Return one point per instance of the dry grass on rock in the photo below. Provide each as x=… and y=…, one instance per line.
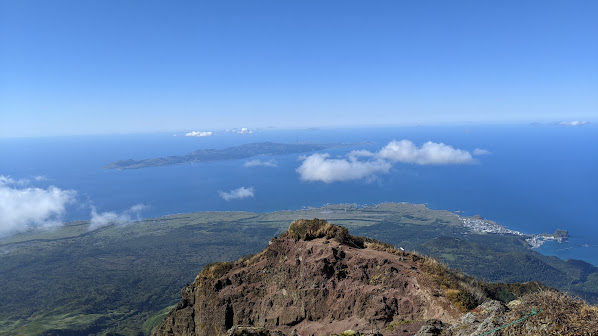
x=561, y=315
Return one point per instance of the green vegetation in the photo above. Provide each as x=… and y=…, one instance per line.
x=393, y=325
x=121, y=279
x=115, y=278
x=231, y=153
x=155, y=320
x=317, y=228
x=349, y=333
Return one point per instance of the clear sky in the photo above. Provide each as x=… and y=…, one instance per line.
x=114, y=66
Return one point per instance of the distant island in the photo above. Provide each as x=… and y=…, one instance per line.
x=230, y=153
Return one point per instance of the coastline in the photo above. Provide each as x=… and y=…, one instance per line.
x=480, y=225
x=559, y=244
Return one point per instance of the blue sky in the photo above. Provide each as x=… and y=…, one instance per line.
x=113, y=66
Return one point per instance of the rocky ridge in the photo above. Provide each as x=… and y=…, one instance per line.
x=317, y=279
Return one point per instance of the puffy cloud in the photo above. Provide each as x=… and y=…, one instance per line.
x=479, y=151
x=430, y=153
x=260, y=163
x=199, y=134
x=573, y=123
x=23, y=208
x=360, y=164
x=107, y=218
x=319, y=167
x=237, y=193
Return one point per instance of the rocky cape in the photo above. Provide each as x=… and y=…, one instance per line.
x=317, y=279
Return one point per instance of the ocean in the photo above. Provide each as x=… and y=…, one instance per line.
x=536, y=179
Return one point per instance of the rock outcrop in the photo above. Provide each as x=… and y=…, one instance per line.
x=317, y=279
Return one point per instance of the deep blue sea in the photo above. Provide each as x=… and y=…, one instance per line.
x=536, y=179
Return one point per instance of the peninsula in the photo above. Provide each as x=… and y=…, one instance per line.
x=480, y=225
x=230, y=153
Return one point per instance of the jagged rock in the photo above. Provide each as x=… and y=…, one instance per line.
x=431, y=328
x=484, y=318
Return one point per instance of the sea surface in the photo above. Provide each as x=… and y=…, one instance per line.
x=536, y=179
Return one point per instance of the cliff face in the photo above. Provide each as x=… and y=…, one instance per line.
x=316, y=279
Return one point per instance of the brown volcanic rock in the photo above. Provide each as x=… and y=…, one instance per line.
x=314, y=279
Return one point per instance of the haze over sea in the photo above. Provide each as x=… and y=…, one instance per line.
x=536, y=179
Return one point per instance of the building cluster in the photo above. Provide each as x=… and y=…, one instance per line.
x=480, y=225
x=483, y=226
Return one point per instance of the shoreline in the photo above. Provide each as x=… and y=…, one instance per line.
x=481, y=225
x=476, y=224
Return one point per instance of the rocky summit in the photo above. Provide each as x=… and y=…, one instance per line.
x=317, y=279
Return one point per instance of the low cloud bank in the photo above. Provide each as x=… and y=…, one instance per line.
x=260, y=163
x=199, y=134
x=573, y=123
x=239, y=193
x=363, y=164
x=100, y=219
x=23, y=207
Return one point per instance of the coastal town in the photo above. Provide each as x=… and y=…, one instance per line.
x=480, y=225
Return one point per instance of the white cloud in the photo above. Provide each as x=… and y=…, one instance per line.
x=237, y=193
x=480, y=151
x=199, y=134
x=260, y=163
x=319, y=167
x=430, y=153
x=243, y=130
x=107, y=218
x=5, y=180
x=573, y=123
x=23, y=208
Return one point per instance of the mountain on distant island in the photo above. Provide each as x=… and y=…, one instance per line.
x=230, y=153
x=317, y=279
